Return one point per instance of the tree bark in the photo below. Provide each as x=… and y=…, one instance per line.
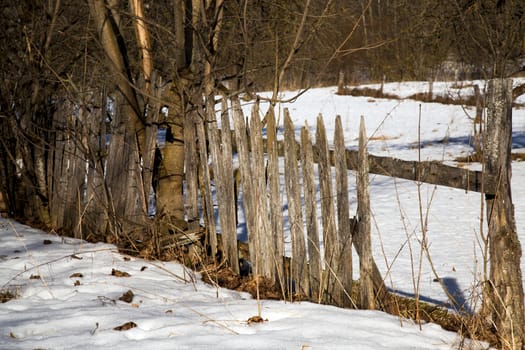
x=123, y=177
x=505, y=287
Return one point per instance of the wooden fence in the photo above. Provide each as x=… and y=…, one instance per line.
x=319, y=272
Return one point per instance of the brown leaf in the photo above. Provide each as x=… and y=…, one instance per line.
x=256, y=319
x=76, y=275
x=126, y=326
x=34, y=277
x=127, y=297
x=118, y=273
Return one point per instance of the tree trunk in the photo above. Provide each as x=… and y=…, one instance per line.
x=505, y=288
x=124, y=176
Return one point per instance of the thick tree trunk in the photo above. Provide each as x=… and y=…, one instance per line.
x=124, y=176
x=170, y=199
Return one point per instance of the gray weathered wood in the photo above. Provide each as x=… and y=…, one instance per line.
x=150, y=139
x=209, y=210
x=332, y=288
x=226, y=198
x=223, y=176
x=264, y=240
x=191, y=173
x=276, y=202
x=504, y=302
x=310, y=207
x=432, y=172
x=343, y=213
x=241, y=138
x=363, y=216
x=298, y=280
x=95, y=218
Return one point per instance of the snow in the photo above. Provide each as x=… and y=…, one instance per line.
x=171, y=307
x=68, y=298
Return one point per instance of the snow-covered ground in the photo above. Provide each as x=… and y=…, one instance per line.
x=171, y=308
x=68, y=298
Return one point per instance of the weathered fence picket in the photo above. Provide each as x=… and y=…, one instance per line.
x=363, y=217
x=332, y=287
x=224, y=182
x=209, y=214
x=343, y=210
x=249, y=201
x=263, y=238
x=310, y=204
x=298, y=276
x=191, y=172
x=276, y=202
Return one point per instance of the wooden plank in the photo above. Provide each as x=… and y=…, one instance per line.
x=264, y=244
x=226, y=201
x=276, y=201
x=191, y=173
x=343, y=214
x=332, y=287
x=298, y=280
x=95, y=218
x=310, y=206
x=241, y=138
x=209, y=210
x=432, y=172
x=150, y=139
x=223, y=174
x=363, y=215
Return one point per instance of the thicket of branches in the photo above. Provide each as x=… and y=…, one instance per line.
x=52, y=59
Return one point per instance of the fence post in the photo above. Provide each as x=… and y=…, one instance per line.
x=241, y=138
x=363, y=215
x=276, y=202
x=221, y=153
x=504, y=298
x=264, y=247
x=343, y=213
x=298, y=277
x=310, y=204
x=206, y=186
x=331, y=241
x=191, y=164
